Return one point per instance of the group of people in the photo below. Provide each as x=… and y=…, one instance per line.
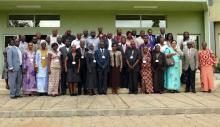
x=90, y=63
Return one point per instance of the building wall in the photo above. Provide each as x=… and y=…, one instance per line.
x=177, y=23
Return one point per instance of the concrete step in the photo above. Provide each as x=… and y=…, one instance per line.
x=111, y=105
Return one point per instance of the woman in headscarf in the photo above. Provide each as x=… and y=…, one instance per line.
x=158, y=67
x=172, y=73
x=91, y=79
x=42, y=68
x=29, y=83
x=54, y=69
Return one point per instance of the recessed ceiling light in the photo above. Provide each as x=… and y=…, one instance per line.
x=28, y=6
x=146, y=7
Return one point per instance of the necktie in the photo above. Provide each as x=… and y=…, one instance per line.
x=114, y=59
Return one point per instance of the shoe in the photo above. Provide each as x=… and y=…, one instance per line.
x=193, y=91
x=13, y=97
x=210, y=91
x=18, y=96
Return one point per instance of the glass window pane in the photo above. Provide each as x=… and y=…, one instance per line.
x=127, y=17
x=47, y=21
x=21, y=21
x=153, y=23
x=127, y=23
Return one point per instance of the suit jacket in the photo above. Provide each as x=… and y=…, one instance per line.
x=106, y=43
x=190, y=60
x=136, y=56
x=120, y=48
x=82, y=59
x=13, y=59
x=102, y=63
x=63, y=56
x=152, y=40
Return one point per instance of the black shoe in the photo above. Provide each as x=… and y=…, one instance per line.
x=209, y=91
x=193, y=91
x=14, y=97
x=63, y=93
x=19, y=96
x=187, y=91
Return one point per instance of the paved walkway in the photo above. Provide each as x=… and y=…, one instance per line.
x=111, y=105
x=197, y=120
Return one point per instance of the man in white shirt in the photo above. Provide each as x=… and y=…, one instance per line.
x=53, y=37
x=140, y=40
x=60, y=43
x=23, y=44
x=109, y=41
x=93, y=40
x=76, y=42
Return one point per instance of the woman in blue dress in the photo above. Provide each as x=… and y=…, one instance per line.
x=172, y=73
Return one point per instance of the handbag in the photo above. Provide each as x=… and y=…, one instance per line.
x=170, y=61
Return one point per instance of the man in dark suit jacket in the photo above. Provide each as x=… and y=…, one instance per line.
x=82, y=72
x=123, y=47
x=102, y=58
x=132, y=58
x=109, y=41
x=64, y=51
x=152, y=38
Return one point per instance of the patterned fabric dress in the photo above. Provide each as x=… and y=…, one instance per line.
x=146, y=74
x=54, y=77
x=29, y=81
x=206, y=62
x=172, y=73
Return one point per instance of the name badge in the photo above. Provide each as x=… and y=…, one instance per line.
x=156, y=61
x=43, y=58
x=57, y=60
x=31, y=60
x=131, y=57
x=144, y=61
x=103, y=57
x=73, y=62
x=119, y=43
x=94, y=61
x=82, y=57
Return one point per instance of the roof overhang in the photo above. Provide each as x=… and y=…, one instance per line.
x=131, y=5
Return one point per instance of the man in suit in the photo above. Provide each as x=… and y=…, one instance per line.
x=14, y=60
x=82, y=71
x=102, y=59
x=132, y=58
x=123, y=47
x=190, y=65
x=109, y=41
x=152, y=38
x=64, y=51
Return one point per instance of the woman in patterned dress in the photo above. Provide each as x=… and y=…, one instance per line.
x=207, y=60
x=29, y=85
x=146, y=72
x=54, y=67
x=172, y=73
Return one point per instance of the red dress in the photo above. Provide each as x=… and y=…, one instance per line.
x=146, y=74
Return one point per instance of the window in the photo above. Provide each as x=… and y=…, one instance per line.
x=34, y=21
x=140, y=21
